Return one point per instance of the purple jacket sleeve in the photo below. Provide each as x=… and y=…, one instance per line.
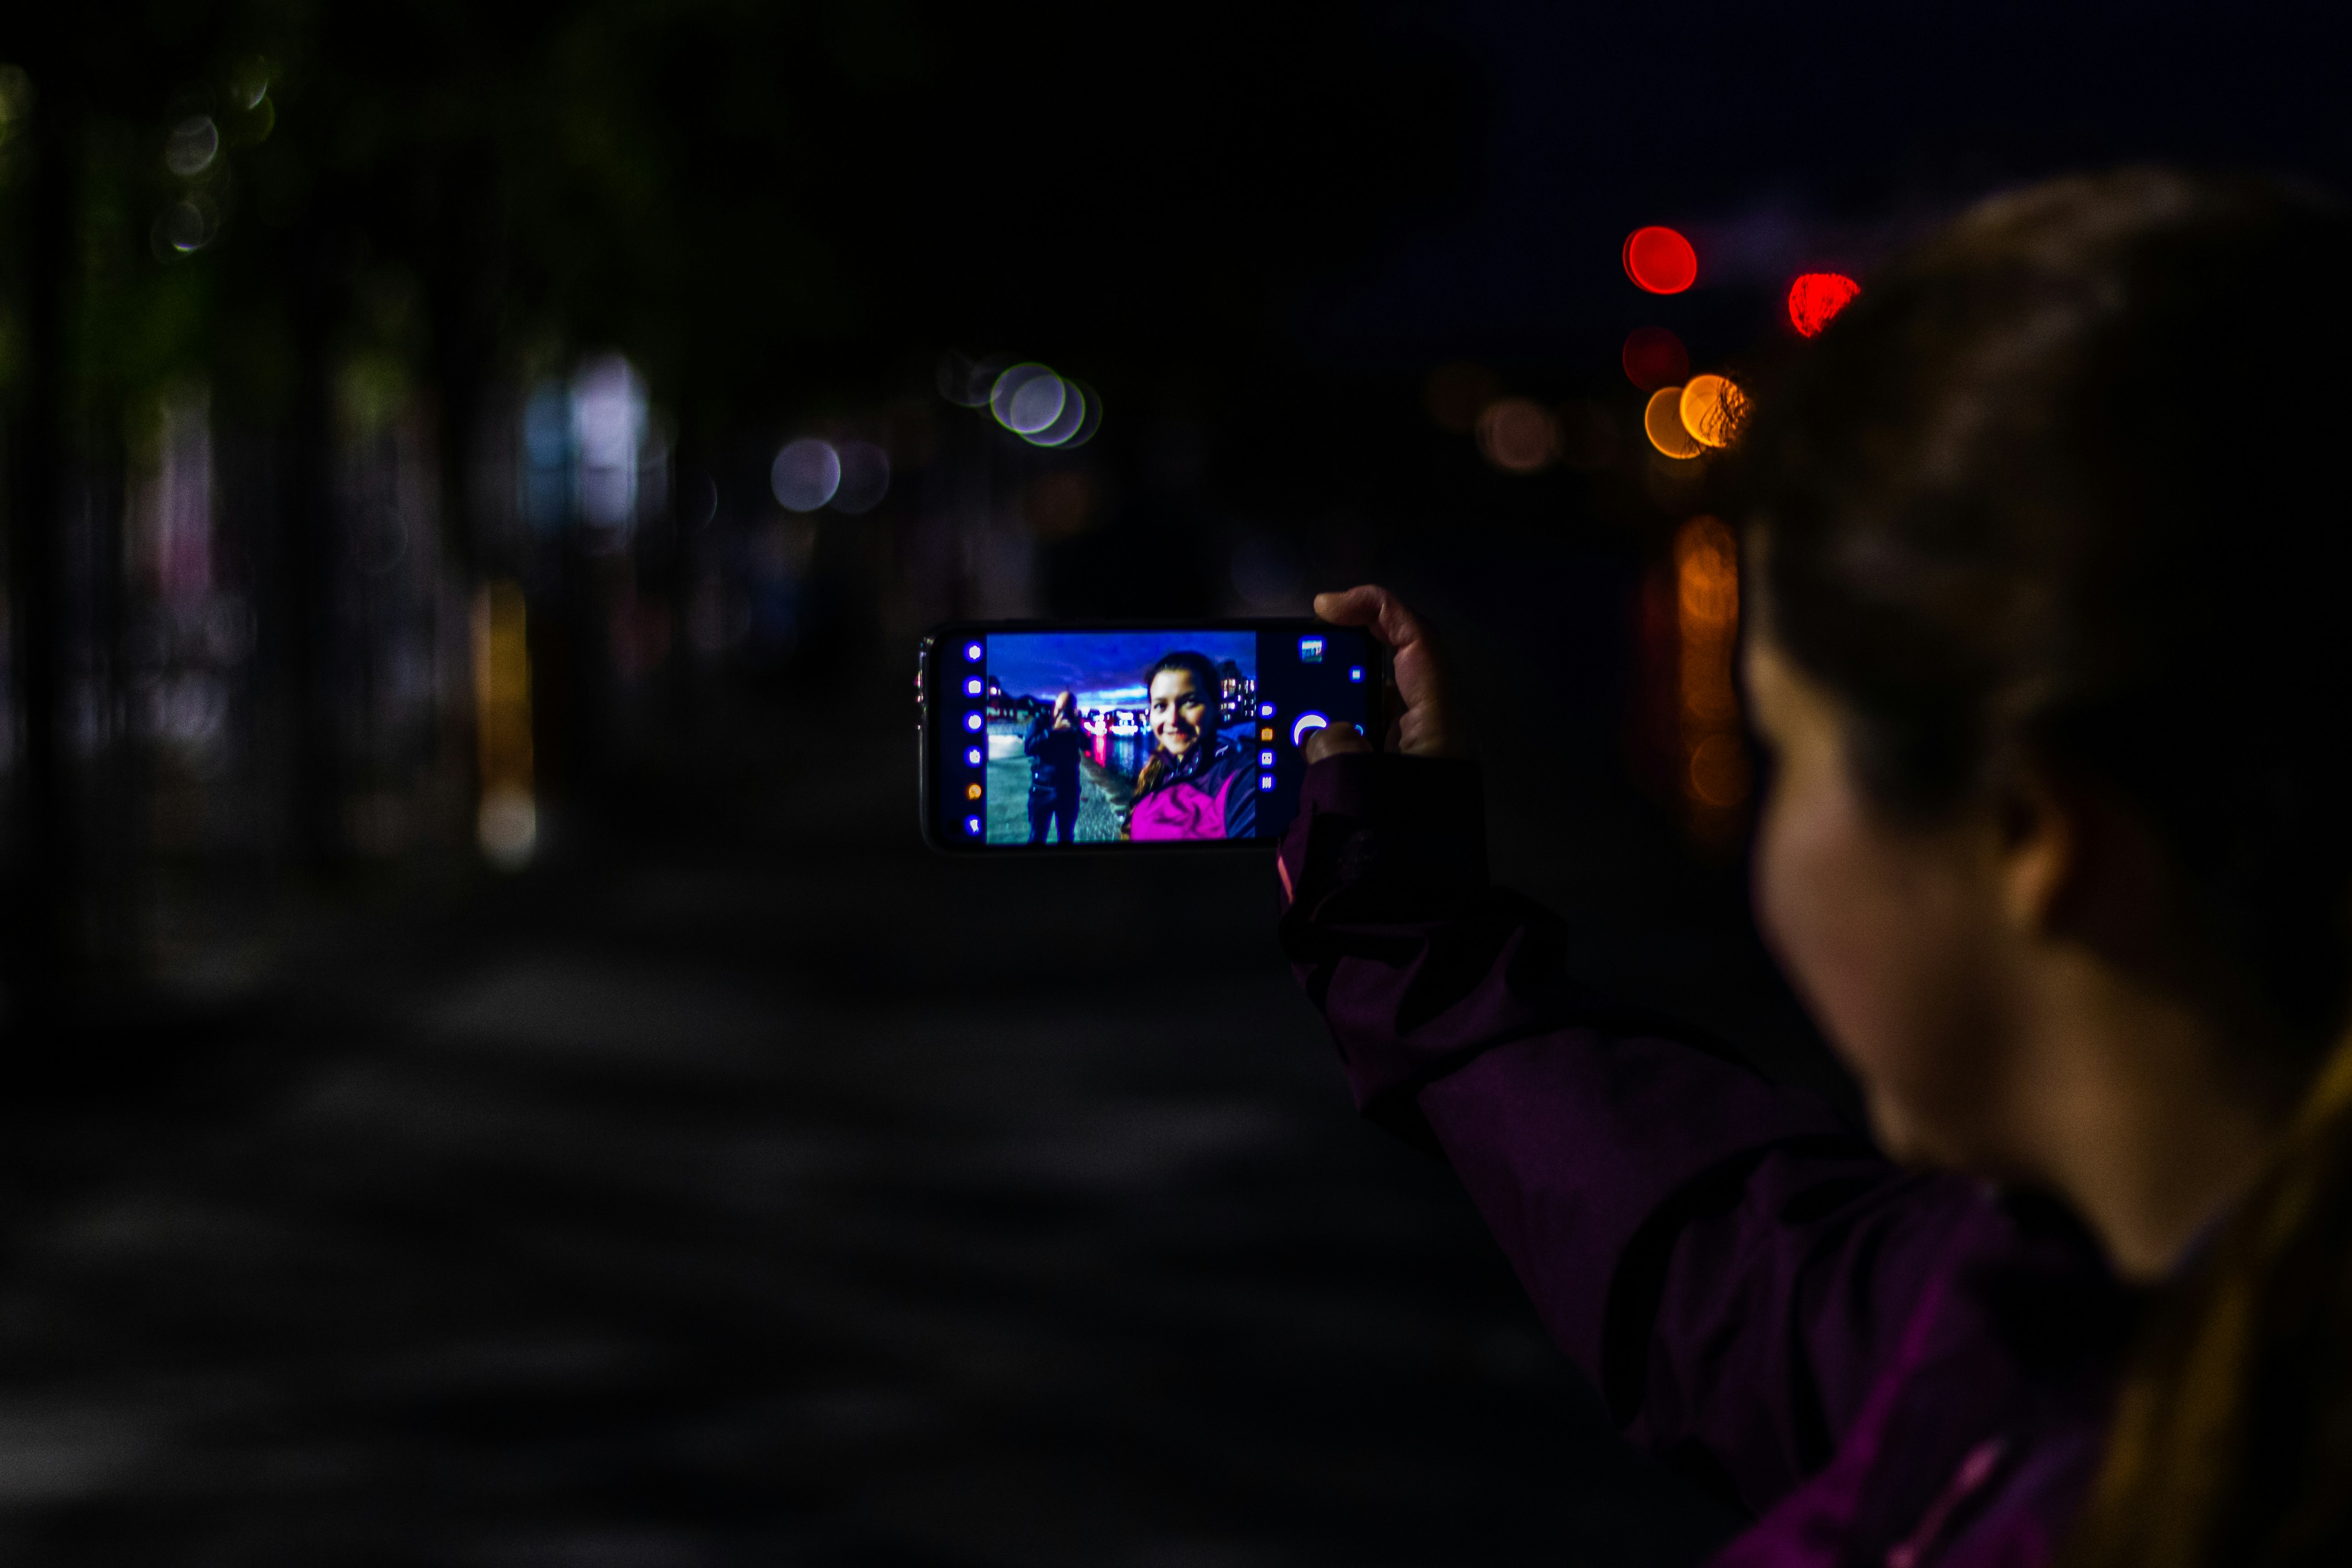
x=1728, y=1263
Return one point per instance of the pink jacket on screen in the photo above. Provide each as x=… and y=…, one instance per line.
x=1211, y=793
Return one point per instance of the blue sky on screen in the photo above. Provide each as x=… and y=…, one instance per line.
x=1104, y=668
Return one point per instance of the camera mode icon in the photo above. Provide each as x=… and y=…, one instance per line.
x=1310, y=650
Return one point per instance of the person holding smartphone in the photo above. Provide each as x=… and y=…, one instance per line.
x=1198, y=782
x=1053, y=742
x=2046, y=565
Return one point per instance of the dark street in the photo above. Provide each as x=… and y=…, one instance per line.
x=769, y=1190
x=491, y=1073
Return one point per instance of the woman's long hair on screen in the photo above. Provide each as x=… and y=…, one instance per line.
x=1211, y=686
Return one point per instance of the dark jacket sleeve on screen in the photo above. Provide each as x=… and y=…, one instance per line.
x=1240, y=801
x=1729, y=1264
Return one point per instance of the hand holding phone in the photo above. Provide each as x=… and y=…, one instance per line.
x=1045, y=737
x=1429, y=724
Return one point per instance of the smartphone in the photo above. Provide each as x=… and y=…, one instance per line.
x=1045, y=736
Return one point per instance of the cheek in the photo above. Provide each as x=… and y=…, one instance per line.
x=1874, y=931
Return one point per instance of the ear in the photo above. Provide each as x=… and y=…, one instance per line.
x=2074, y=857
x=2041, y=844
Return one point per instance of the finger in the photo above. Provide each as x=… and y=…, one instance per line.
x=1398, y=626
x=1364, y=606
x=1331, y=741
x=1426, y=725
x=1350, y=606
x=1374, y=609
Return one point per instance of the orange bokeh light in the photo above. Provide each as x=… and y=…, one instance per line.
x=1814, y=298
x=1660, y=260
x=1718, y=771
x=1715, y=761
x=1654, y=357
x=1662, y=421
x=1711, y=408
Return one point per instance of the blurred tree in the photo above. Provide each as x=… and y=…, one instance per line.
x=773, y=208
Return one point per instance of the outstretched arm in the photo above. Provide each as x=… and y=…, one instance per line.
x=1729, y=1264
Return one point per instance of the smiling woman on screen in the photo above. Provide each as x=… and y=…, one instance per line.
x=1198, y=782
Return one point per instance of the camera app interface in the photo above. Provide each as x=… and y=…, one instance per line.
x=1141, y=737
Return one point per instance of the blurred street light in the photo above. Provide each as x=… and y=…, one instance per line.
x=805, y=475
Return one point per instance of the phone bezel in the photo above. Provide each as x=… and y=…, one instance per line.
x=929, y=752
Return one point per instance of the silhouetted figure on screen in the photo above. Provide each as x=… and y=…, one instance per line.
x=1052, y=744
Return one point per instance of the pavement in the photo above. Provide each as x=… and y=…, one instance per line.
x=1008, y=795
x=747, y=1185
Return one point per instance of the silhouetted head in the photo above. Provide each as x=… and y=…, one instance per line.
x=2053, y=553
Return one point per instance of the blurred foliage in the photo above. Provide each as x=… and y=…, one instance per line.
x=762, y=202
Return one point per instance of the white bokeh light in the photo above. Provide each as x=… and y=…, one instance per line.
x=805, y=475
x=1067, y=424
x=1027, y=398
x=192, y=146
x=608, y=431
x=865, y=477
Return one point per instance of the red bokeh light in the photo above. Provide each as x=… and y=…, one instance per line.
x=1654, y=357
x=1660, y=260
x=1814, y=298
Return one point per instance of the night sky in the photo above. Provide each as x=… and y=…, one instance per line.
x=1103, y=667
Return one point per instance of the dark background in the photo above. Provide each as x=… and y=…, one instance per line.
x=724, y=1179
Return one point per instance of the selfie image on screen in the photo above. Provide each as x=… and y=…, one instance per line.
x=1094, y=737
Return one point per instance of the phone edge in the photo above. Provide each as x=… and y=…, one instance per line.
x=927, y=803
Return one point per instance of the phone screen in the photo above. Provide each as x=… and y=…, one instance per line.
x=1045, y=737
